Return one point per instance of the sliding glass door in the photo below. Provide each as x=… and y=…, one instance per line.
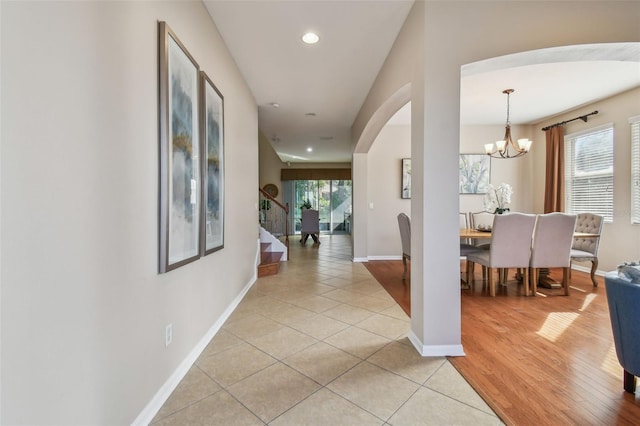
x=332, y=199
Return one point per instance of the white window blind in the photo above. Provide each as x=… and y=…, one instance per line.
x=635, y=169
x=589, y=171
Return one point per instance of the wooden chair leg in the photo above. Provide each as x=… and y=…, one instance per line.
x=565, y=280
x=525, y=281
x=492, y=284
x=404, y=263
x=629, y=382
x=594, y=267
x=533, y=276
x=570, y=267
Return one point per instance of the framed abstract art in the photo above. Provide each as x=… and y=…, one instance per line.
x=180, y=164
x=475, y=173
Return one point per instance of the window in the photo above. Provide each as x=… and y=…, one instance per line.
x=589, y=171
x=635, y=169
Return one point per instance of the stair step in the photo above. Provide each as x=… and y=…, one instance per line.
x=269, y=262
x=269, y=257
x=268, y=269
x=264, y=247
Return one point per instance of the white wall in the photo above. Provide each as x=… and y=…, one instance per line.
x=385, y=181
x=83, y=307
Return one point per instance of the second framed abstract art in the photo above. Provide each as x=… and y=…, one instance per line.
x=212, y=103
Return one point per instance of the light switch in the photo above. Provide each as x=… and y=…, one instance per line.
x=371, y=206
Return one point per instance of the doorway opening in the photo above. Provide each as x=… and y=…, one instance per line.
x=332, y=199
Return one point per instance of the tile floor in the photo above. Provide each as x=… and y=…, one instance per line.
x=321, y=343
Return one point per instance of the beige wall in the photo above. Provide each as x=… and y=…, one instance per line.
x=620, y=240
x=270, y=165
x=448, y=35
x=516, y=172
x=385, y=180
x=83, y=307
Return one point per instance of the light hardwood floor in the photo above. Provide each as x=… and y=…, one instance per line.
x=544, y=360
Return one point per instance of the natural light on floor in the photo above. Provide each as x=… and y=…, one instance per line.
x=610, y=363
x=555, y=324
x=587, y=301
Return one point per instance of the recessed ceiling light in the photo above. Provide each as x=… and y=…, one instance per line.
x=310, y=38
x=274, y=105
x=309, y=149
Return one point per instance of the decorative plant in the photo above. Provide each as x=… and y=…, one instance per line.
x=498, y=198
x=306, y=204
x=265, y=205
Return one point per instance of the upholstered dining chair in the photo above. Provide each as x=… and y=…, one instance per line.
x=465, y=244
x=552, y=241
x=404, y=223
x=310, y=225
x=586, y=249
x=481, y=220
x=510, y=247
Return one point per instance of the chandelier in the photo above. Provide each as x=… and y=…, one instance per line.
x=506, y=148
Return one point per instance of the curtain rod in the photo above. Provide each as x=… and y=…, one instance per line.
x=562, y=123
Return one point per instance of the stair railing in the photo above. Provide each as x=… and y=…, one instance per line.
x=274, y=217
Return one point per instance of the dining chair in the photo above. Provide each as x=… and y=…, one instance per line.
x=309, y=225
x=466, y=247
x=552, y=239
x=480, y=220
x=586, y=249
x=404, y=223
x=465, y=243
x=510, y=248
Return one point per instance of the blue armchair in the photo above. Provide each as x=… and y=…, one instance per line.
x=623, y=297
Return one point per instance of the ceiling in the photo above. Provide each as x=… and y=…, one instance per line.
x=320, y=88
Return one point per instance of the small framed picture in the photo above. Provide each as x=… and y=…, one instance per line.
x=406, y=178
x=475, y=173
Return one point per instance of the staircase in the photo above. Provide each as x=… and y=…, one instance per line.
x=272, y=252
x=274, y=222
x=269, y=260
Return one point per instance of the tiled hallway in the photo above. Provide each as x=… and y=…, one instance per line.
x=321, y=343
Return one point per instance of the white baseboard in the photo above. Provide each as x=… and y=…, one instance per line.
x=587, y=269
x=161, y=396
x=360, y=259
x=384, y=257
x=434, y=350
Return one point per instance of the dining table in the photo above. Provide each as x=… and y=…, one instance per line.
x=545, y=280
x=486, y=233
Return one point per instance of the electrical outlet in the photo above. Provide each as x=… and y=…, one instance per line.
x=168, y=334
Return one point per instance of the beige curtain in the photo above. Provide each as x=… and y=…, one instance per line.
x=554, y=176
